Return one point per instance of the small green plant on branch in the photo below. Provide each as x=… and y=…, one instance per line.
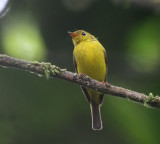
x=50, y=71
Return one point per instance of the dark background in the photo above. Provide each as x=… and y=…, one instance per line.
x=36, y=110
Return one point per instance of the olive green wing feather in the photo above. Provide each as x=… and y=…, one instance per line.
x=105, y=56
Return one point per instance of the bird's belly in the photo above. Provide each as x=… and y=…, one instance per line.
x=92, y=64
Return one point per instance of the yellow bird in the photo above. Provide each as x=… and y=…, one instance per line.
x=89, y=58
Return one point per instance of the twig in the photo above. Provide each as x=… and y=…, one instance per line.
x=48, y=70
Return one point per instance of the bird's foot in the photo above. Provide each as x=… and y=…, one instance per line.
x=105, y=83
x=82, y=74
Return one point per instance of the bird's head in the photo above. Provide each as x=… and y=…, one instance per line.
x=81, y=36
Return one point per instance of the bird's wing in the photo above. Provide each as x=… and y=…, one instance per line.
x=83, y=88
x=75, y=64
x=105, y=56
x=106, y=61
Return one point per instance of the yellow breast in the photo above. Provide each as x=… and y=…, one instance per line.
x=90, y=59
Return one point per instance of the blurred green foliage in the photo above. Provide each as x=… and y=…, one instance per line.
x=144, y=44
x=21, y=38
x=36, y=110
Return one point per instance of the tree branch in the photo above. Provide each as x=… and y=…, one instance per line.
x=48, y=70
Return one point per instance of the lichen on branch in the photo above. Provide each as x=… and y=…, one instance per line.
x=49, y=70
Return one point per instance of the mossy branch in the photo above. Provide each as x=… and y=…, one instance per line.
x=48, y=70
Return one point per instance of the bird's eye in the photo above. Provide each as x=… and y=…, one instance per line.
x=83, y=33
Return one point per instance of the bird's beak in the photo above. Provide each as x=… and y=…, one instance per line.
x=72, y=34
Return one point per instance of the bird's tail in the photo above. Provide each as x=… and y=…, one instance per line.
x=96, y=116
